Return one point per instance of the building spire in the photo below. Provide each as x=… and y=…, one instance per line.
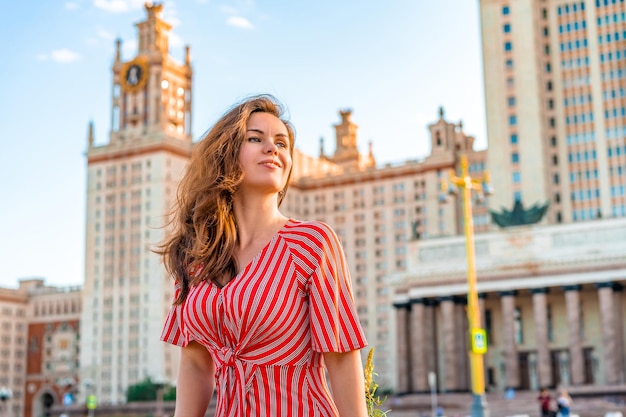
x=154, y=31
x=90, y=133
x=187, y=55
x=118, y=50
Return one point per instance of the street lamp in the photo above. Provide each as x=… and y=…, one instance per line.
x=5, y=394
x=160, y=384
x=478, y=341
x=90, y=401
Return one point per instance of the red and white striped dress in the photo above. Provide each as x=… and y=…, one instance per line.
x=268, y=327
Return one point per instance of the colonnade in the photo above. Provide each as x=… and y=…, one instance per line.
x=432, y=336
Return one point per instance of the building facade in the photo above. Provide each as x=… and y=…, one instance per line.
x=39, y=346
x=13, y=336
x=131, y=185
x=554, y=94
x=551, y=301
x=53, y=350
x=377, y=210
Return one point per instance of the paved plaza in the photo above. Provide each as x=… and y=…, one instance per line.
x=524, y=404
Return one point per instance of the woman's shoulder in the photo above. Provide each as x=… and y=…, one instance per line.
x=309, y=227
x=312, y=235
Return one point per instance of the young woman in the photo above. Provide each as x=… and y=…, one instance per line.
x=263, y=303
x=564, y=402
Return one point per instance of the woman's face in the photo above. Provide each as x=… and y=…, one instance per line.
x=265, y=155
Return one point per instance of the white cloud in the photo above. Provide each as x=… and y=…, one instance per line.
x=170, y=15
x=129, y=48
x=239, y=22
x=64, y=56
x=118, y=6
x=104, y=34
x=70, y=5
x=175, y=40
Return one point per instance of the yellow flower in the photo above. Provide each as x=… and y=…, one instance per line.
x=372, y=400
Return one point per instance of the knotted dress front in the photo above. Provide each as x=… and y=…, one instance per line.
x=267, y=328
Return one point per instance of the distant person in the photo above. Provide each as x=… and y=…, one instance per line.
x=263, y=309
x=545, y=401
x=564, y=403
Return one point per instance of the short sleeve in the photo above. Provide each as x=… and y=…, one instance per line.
x=334, y=321
x=173, y=329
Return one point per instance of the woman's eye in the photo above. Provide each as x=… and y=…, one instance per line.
x=281, y=144
x=253, y=139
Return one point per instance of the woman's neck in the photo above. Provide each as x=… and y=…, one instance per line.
x=256, y=218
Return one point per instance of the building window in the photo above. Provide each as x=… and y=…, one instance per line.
x=507, y=28
x=506, y=10
x=489, y=327
x=513, y=139
x=508, y=46
x=512, y=120
x=517, y=177
x=515, y=157
x=511, y=101
x=550, y=327
x=518, y=326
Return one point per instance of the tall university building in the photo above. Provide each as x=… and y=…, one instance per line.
x=554, y=91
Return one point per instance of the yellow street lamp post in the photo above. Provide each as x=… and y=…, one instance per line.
x=478, y=342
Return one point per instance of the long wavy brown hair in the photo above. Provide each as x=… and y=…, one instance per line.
x=201, y=246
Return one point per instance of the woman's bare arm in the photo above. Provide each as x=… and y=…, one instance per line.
x=345, y=373
x=196, y=380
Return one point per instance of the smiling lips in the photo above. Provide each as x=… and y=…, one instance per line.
x=271, y=162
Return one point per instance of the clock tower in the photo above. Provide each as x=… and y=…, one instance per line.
x=131, y=186
x=151, y=92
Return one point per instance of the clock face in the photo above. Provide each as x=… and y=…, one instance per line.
x=134, y=75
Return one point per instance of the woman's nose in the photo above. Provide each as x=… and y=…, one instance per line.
x=271, y=147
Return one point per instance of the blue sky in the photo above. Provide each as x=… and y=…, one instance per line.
x=392, y=62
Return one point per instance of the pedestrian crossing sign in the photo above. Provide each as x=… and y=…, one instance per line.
x=479, y=341
x=92, y=403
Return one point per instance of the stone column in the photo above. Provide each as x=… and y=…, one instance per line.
x=418, y=376
x=481, y=309
x=540, y=310
x=609, y=331
x=461, y=326
x=430, y=338
x=511, y=362
x=402, y=343
x=618, y=291
x=576, y=360
x=449, y=337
